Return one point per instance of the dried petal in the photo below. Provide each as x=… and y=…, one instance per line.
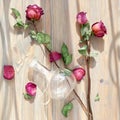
x=8, y=72
x=81, y=18
x=79, y=73
x=31, y=88
x=34, y=12
x=99, y=29
x=54, y=56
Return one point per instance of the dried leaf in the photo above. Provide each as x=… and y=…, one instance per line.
x=66, y=109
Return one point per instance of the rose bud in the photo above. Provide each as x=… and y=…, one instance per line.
x=54, y=56
x=79, y=73
x=8, y=72
x=99, y=29
x=81, y=18
x=31, y=88
x=34, y=12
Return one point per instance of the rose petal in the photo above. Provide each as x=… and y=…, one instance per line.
x=31, y=88
x=8, y=72
x=81, y=18
x=99, y=29
x=54, y=56
x=79, y=73
x=34, y=12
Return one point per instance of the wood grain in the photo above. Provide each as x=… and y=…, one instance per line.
x=60, y=22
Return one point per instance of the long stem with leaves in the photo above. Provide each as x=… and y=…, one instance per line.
x=85, y=50
x=75, y=93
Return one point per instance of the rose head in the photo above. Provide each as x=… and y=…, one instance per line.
x=31, y=88
x=34, y=12
x=54, y=56
x=79, y=73
x=8, y=72
x=99, y=29
x=81, y=18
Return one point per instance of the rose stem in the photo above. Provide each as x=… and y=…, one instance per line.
x=44, y=44
x=75, y=93
x=82, y=104
x=87, y=59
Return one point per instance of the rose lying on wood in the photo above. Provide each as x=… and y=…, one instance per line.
x=99, y=29
x=79, y=73
x=34, y=12
x=30, y=88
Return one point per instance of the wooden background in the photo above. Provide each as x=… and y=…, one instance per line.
x=60, y=22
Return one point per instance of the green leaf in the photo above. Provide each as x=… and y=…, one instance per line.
x=83, y=50
x=40, y=37
x=93, y=54
x=27, y=96
x=19, y=23
x=47, y=38
x=64, y=50
x=33, y=34
x=66, y=109
x=85, y=28
x=85, y=32
x=16, y=12
x=49, y=46
x=97, y=98
x=26, y=26
x=67, y=57
x=67, y=72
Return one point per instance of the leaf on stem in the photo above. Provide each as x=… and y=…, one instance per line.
x=67, y=72
x=85, y=32
x=67, y=57
x=27, y=96
x=49, y=46
x=33, y=34
x=16, y=12
x=66, y=109
x=41, y=38
x=19, y=22
x=83, y=50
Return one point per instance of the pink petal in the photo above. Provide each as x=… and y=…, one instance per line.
x=8, y=72
x=54, y=56
x=34, y=12
x=31, y=88
x=81, y=18
x=79, y=73
x=99, y=29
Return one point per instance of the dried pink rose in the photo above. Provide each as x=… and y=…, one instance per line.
x=81, y=18
x=54, y=56
x=34, y=12
x=79, y=73
x=31, y=88
x=8, y=72
x=99, y=29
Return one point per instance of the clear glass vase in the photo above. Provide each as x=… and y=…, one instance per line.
x=62, y=84
x=56, y=84
x=40, y=78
